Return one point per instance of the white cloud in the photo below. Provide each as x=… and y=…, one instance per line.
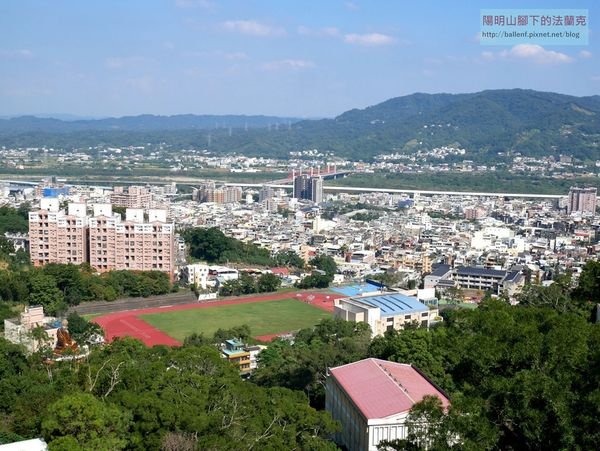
x=16, y=54
x=351, y=6
x=332, y=32
x=369, y=39
x=585, y=54
x=252, y=28
x=529, y=52
x=595, y=78
x=287, y=64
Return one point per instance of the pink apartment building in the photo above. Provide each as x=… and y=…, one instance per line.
x=132, y=197
x=133, y=244
x=103, y=240
x=56, y=236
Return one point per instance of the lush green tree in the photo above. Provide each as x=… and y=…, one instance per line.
x=212, y=245
x=6, y=247
x=303, y=365
x=268, y=282
x=241, y=332
x=247, y=283
x=588, y=288
x=81, y=329
x=87, y=422
x=14, y=220
x=552, y=296
x=43, y=291
x=289, y=258
x=314, y=281
x=231, y=288
x=325, y=263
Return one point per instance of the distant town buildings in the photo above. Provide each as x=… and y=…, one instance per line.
x=475, y=278
x=372, y=398
x=582, y=200
x=132, y=197
x=307, y=187
x=208, y=192
x=265, y=193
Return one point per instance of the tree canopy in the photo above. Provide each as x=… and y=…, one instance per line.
x=213, y=246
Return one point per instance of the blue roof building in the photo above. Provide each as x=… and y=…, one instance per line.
x=384, y=311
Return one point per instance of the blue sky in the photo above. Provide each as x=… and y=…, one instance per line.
x=305, y=58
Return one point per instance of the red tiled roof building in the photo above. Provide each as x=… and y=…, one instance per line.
x=371, y=398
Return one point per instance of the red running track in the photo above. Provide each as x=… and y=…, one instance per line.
x=128, y=323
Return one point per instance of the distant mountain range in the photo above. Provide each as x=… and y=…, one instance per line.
x=144, y=122
x=485, y=123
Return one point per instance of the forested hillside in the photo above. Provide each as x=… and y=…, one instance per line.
x=531, y=122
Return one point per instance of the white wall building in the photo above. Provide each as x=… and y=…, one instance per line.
x=371, y=398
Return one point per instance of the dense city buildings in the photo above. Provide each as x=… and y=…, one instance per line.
x=582, y=200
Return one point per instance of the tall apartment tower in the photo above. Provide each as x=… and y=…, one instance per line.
x=103, y=226
x=582, y=200
x=266, y=192
x=56, y=236
x=232, y=194
x=133, y=197
x=133, y=244
x=316, y=190
x=308, y=188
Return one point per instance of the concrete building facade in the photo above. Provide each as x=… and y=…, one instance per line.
x=104, y=239
x=582, y=200
x=56, y=236
x=132, y=197
x=308, y=188
x=384, y=312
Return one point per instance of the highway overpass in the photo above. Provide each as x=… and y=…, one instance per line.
x=327, y=188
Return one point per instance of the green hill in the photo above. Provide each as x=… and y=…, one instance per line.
x=526, y=121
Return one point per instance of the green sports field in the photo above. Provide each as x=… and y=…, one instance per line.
x=264, y=318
